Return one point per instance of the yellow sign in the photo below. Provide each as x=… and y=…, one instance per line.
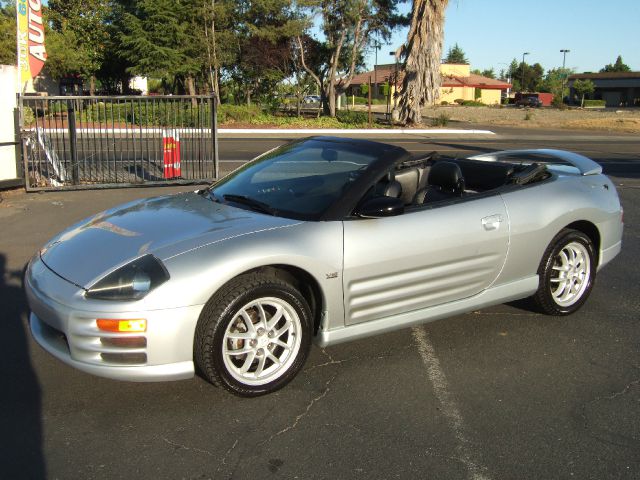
x=30, y=37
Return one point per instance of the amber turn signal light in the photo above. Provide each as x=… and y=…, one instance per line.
x=113, y=325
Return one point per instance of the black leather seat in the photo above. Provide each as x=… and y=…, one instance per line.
x=445, y=181
x=408, y=178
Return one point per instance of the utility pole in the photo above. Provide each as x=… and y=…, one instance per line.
x=522, y=86
x=564, y=73
x=376, y=46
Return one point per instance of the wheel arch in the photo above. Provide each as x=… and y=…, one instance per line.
x=591, y=231
x=303, y=281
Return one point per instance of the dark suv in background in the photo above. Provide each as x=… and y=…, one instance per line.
x=529, y=102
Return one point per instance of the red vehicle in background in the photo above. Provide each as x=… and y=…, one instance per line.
x=533, y=99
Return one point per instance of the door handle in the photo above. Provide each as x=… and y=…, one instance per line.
x=492, y=222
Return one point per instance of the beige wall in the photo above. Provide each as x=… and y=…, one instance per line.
x=451, y=94
x=455, y=69
x=490, y=97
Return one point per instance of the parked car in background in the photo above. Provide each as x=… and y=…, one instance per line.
x=322, y=239
x=533, y=102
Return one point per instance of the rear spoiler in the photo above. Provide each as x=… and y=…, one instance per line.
x=585, y=165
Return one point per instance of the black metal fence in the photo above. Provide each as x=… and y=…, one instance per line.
x=93, y=142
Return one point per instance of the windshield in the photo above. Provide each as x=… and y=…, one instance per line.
x=300, y=180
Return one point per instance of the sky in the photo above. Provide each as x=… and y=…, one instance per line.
x=494, y=32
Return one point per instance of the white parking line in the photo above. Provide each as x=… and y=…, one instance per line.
x=464, y=448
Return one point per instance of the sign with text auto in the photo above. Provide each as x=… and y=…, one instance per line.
x=30, y=40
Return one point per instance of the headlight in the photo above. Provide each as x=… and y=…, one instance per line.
x=130, y=282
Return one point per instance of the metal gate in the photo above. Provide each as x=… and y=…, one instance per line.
x=95, y=142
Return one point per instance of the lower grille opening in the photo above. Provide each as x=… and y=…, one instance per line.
x=126, y=342
x=125, y=358
x=55, y=334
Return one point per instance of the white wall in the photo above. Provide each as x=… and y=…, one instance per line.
x=139, y=83
x=8, y=88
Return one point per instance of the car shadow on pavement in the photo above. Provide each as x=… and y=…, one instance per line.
x=20, y=414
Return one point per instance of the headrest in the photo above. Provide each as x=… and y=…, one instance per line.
x=446, y=175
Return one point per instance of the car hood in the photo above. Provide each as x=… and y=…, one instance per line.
x=163, y=226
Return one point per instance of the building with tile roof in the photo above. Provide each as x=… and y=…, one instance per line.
x=458, y=83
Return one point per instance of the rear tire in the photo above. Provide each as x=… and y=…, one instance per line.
x=567, y=273
x=254, y=335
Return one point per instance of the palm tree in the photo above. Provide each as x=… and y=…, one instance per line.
x=421, y=84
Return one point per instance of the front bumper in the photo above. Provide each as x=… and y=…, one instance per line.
x=68, y=332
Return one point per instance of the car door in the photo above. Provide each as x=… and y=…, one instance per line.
x=423, y=257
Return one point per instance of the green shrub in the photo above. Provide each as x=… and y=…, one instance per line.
x=28, y=116
x=352, y=117
x=595, y=103
x=528, y=116
x=459, y=101
x=365, y=101
x=472, y=103
x=160, y=114
x=238, y=113
x=441, y=120
x=154, y=85
x=444, y=102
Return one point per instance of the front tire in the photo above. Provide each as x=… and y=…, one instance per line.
x=567, y=273
x=254, y=335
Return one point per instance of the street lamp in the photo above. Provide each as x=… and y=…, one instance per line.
x=564, y=52
x=522, y=86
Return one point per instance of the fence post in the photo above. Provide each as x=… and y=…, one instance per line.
x=73, y=141
x=214, y=134
x=18, y=124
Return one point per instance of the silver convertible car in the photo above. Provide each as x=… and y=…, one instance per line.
x=323, y=239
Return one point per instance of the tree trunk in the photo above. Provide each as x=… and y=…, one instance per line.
x=191, y=89
x=92, y=85
x=423, y=52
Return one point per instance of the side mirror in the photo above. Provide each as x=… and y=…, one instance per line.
x=379, y=207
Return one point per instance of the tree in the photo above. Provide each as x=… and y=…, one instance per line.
x=422, y=53
x=554, y=81
x=582, y=88
x=348, y=26
x=162, y=39
x=86, y=30
x=7, y=35
x=264, y=37
x=619, y=66
x=489, y=72
x=456, y=55
x=532, y=76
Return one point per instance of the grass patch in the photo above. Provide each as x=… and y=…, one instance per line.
x=441, y=120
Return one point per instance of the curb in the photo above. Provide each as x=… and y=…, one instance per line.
x=282, y=131
x=355, y=131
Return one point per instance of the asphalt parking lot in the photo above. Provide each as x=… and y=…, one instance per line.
x=501, y=393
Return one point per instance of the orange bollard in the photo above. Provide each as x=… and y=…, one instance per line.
x=177, y=168
x=168, y=147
